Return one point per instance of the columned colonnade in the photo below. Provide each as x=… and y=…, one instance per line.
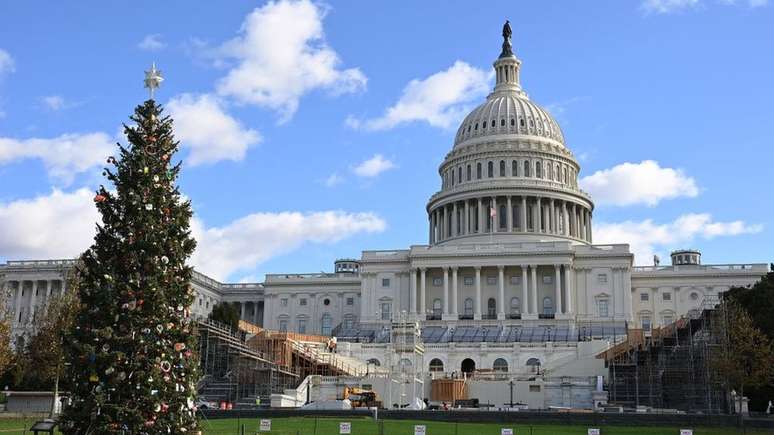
x=27, y=295
x=563, y=299
x=523, y=214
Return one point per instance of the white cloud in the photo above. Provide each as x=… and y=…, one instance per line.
x=441, y=99
x=667, y=6
x=63, y=156
x=57, y=102
x=6, y=63
x=333, y=180
x=253, y=239
x=373, y=166
x=645, y=182
x=647, y=238
x=281, y=54
x=151, y=43
x=202, y=125
x=58, y=225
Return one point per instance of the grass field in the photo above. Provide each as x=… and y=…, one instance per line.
x=366, y=426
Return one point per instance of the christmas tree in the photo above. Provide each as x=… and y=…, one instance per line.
x=132, y=366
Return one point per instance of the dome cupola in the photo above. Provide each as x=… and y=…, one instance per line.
x=509, y=176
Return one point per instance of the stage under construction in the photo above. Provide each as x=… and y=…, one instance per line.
x=672, y=368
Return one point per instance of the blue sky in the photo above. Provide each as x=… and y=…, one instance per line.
x=312, y=131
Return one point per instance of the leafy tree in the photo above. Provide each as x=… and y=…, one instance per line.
x=6, y=353
x=747, y=356
x=132, y=366
x=227, y=314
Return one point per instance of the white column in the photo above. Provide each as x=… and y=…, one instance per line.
x=566, y=219
x=48, y=291
x=501, y=302
x=454, y=311
x=496, y=220
x=477, y=301
x=582, y=225
x=574, y=221
x=455, y=221
x=534, y=289
x=467, y=217
x=554, y=226
x=430, y=224
x=538, y=208
x=524, y=214
x=445, y=290
x=422, y=307
x=17, y=305
x=31, y=317
x=558, y=286
x=524, y=299
x=627, y=289
x=568, y=278
x=588, y=228
x=510, y=215
x=480, y=211
x=413, y=292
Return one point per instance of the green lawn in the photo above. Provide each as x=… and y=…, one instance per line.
x=366, y=426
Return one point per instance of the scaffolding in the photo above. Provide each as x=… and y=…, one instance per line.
x=671, y=368
x=232, y=371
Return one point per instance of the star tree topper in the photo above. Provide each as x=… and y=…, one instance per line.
x=153, y=79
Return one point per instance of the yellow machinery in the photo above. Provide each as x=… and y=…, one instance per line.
x=361, y=398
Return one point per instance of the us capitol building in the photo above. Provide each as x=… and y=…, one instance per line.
x=509, y=280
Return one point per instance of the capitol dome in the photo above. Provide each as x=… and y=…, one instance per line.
x=510, y=176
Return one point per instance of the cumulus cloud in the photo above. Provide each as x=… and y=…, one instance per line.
x=441, y=99
x=647, y=238
x=6, y=63
x=63, y=156
x=373, y=167
x=57, y=225
x=202, y=124
x=280, y=55
x=645, y=182
x=151, y=43
x=253, y=239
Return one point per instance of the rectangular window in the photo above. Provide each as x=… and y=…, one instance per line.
x=301, y=326
x=515, y=280
x=547, y=279
x=437, y=282
x=468, y=280
x=644, y=297
x=646, y=323
x=603, y=308
x=491, y=280
x=602, y=278
x=302, y=301
x=284, y=302
x=283, y=326
x=385, y=282
x=350, y=301
x=666, y=296
x=386, y=311
x=667, y=320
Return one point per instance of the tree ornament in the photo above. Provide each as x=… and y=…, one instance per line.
x=149, y=207
x=100, y=198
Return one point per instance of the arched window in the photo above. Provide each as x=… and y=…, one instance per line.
x=515, y=306
x=557, y=174
x=483, y=124
x=514, y=168
x=451, y=176
x=437, y=308
x=526, y=168
x=459, y=175
x=502, y=168
x=533, y=364
x=478, y=170
x=326, y=324
x=468, y=308
x=521, y=122
x=550, y=174
x=374, y=362
x=490, y=170
x=565, y=174
x=503, y=217
x=468, y=366
x=513, y=122
x=493, y=123
x=502, y=122
x=476, y=127
x=548, y=306
x=491, y=308
x=500, y=365
x=436, y=365
x=538, y=170
x=469, y=172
